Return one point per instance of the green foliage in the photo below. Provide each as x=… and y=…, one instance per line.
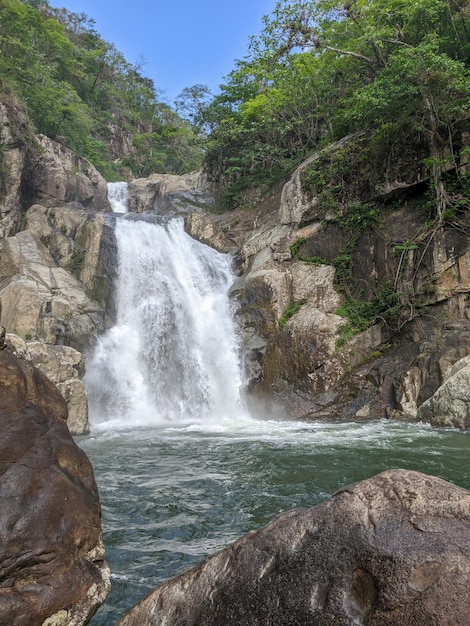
x=292, y=309
x=360, y=217
x=340, y=176
x=321, y=70
x=80, y=90
x=192, y=103
x=76, y=261
x=262, y=124
x=342, y=265
x=295, y=247
x=361, y=313
x=405, y=246
x=296, y=254
x=357, y=219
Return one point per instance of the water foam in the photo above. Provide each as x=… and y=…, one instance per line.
x=172, y=355
x=118, y=196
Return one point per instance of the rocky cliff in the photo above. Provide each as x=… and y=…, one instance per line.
x=57, y=254
x=352, y=301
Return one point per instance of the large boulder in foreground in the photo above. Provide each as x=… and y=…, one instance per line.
x=51, y=553
x=394, y=549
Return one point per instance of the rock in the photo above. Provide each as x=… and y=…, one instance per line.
x=13, y=131
x=74, y=393
x=17, y=346
x=450, y=404
x=394, y=549
x=295, y=358
x=205, y=229
x=169, y=194
x=55, y=175
x=298, y=207
x=41, y=300
x=259, y=245
x=51, y=551
x=315, y=283
x=81, y=241
x=65, y=367
x=410, y=386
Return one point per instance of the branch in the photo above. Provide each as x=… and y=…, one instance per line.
x=347, y=52
x=309, y=39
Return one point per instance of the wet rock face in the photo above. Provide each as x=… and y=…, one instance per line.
x=51, y=552
x=394, y=549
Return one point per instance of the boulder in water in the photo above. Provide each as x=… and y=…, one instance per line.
x=51, y=551
x=394, y=549
x=450, y=404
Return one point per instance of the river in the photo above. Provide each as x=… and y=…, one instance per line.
x=172, y=496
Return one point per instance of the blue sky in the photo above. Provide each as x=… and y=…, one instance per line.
x=183, y=42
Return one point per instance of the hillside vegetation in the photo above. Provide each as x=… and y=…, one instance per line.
x=79, y=89
x=396, y=70
x=319, y=70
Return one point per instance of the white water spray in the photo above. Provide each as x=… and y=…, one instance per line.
x=118, y=196
x=172, y=356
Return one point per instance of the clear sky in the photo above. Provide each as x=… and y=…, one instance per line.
x=183, y=42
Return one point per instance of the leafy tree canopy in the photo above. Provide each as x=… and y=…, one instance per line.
x=322, y=69
x=79, y=89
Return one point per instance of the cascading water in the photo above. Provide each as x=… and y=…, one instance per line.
x=172, y=355
x=118, y=196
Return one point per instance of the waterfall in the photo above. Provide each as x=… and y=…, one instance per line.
x=118, y=196
x=172, y=355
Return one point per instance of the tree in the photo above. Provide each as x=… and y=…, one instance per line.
x=425, y=92
x=79, y=87
x=191, y=104
x=322, y=69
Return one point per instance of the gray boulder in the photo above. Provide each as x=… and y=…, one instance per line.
x=170, y=194
x=394, y=549
x=40, y=300
x=450, y=404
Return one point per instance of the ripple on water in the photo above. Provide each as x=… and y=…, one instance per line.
x=172, y=496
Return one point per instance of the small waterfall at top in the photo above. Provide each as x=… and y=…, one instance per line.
x=172, y=355
x=118, y=197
